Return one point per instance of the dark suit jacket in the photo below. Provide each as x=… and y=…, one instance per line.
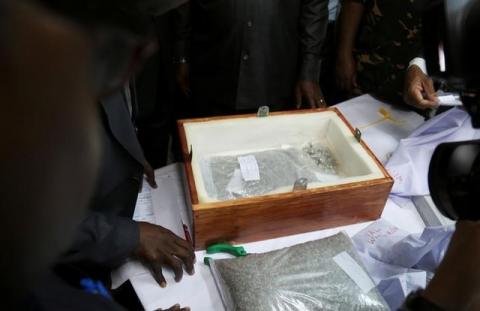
x=245, y=54
x=108, y=235
x=54, y=294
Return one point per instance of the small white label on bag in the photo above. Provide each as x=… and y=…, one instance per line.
x=249, y=168
x=354, y=271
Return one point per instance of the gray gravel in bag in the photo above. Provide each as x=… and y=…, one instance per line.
x=302, y=277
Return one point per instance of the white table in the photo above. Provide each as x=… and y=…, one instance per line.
x=199, y=291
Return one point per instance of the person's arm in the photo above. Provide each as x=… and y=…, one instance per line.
x=419, y=91
x=106, y=241
x=103, y=241
x=348, y=21
x=182, y=32
x=149, y=174
x=312, y=29
x=176, y=308
x=148, y=7
x=456, y=284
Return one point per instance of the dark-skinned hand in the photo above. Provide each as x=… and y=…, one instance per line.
x=456, y=284
x=175, y=308
x=149, y=174
x=346, y=75
x=310, y=92
x=160, y=247
x=182, y=76
x=418, y=89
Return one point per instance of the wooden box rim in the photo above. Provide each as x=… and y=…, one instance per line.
x=244, y=201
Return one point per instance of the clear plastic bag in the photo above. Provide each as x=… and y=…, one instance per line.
x=303, y=277
x=278, y=169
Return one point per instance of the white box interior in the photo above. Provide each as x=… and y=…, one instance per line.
x=242, y=135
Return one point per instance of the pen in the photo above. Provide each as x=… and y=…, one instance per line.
x=95, y=288
x=187, y=233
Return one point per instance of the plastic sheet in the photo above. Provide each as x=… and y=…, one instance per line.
x=302, y=277
x=278, y=170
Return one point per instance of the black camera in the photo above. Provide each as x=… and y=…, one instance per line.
x=451, y=50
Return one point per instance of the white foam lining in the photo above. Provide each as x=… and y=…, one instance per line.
x=242, y=135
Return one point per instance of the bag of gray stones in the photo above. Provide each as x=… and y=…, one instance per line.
x=325, y=274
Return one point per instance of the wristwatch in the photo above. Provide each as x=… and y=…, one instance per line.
x=180, y=60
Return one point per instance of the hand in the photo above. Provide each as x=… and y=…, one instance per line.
x=418, y=89
x=183, y=79
x=346, y=74
x=149, y=174
x=311, y=91
x=175, y=308
x=159, y=246
x=456, y=284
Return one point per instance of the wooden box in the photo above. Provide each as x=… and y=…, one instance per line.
x=358, y=194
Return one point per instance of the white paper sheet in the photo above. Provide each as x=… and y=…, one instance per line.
x=381, y=134
x=399, y=261
x=409, y=164
x=395, y=289
x=164, y=206
x=169, y=199
x=144, y=208
x=198, y=291
x=449, y=99
x=429, y=212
